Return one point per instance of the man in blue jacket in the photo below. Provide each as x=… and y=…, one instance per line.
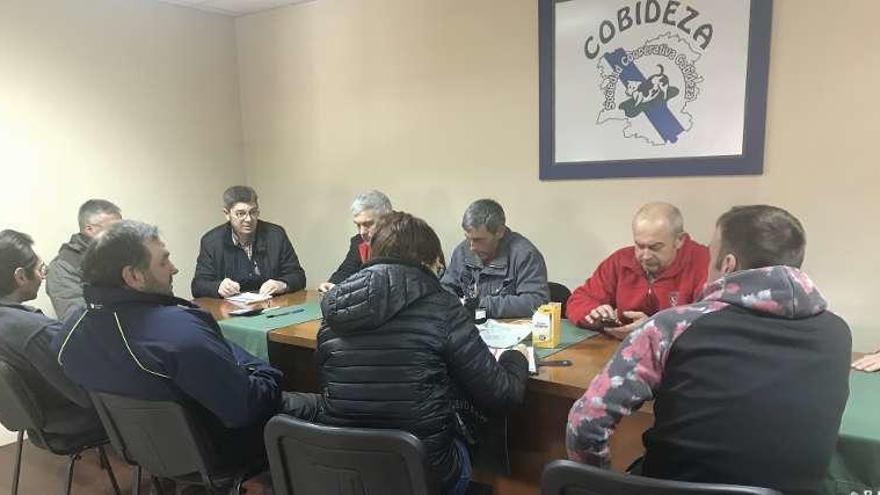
x=136, y=339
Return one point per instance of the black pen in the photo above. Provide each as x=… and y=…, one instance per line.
x=300, y=310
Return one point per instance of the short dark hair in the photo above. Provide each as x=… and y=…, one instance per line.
x=484, y=212
x=405, y=237
x=760, y=236
x=239, y=194
x=94, y=207
x=121, y=245
x=16, y=251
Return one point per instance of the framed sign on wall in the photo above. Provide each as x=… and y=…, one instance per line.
x=652, y=88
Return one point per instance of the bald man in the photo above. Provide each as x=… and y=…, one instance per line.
x=663, y=268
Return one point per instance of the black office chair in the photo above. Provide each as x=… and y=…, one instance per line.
x=312, y=459
x=161, y=437
x=559, y=293
x=571, y=478
x=63, y=432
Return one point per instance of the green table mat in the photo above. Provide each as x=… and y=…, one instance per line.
x=571, y=335
x=855, y=464
x=249, y=332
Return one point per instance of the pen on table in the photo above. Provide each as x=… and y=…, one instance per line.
x=300, y=310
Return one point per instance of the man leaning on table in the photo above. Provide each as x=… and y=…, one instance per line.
x=246, y=254
x=367, y=208
x=749, y=383
x=663, y=268
x=495, y=268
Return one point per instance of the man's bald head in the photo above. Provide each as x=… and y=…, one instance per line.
x=661, y=213
x=658, y=233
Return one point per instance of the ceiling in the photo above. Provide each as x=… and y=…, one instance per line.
x=234, y=7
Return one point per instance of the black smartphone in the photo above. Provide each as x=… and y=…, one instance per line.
x=559, y=362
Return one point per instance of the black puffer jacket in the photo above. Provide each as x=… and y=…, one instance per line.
x=393, y=351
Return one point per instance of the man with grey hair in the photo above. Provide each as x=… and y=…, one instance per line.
x=663, y=268
x=496, y=269
x=367, y=208
x=64, y=278
x=246, y=253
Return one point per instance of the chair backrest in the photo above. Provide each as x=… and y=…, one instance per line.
x=559, y=293
x=311, y=459
x=571, y=478
x=156, y=435
x=19, y=409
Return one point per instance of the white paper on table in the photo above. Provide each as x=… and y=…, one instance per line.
x=503, y=335
x=248, y=298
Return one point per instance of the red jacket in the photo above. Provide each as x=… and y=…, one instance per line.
x=621, y=282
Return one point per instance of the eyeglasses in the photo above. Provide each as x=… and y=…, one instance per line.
x=242, y=214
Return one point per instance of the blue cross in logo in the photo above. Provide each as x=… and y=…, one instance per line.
x=658, y=114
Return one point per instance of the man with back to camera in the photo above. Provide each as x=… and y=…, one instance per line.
x=749, y=383
x=246, y=254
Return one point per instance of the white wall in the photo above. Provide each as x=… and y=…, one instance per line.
x=130, y=100
x=436, y=103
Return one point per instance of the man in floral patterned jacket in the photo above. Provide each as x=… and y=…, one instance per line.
x=749, y=383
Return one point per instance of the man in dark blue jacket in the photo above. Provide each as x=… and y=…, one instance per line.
x=136, y=339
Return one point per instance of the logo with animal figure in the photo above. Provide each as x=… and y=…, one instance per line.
x=647, y=89
x=642, y=95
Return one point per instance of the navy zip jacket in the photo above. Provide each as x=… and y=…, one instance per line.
x=158, y=347
x=273, y=259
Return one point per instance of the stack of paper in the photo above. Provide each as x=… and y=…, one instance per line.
x=248, y=297
x=503, y=336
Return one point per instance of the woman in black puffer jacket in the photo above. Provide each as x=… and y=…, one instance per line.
x=395, y=350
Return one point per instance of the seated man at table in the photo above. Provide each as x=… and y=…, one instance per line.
x=868, y=362
x=495, y=268
x=136, y=339
x=664, y=268
x=64, y=277
x=749, y=384
x=367, y=208
x=246, y=254
x=26, y=334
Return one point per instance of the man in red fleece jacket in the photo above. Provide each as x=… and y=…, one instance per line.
x=663, y=268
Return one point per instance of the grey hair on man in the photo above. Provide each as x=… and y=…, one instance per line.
x=662, y=211
x=94, y=207
x=484, y=212
x=373, y=200
x=123, y=244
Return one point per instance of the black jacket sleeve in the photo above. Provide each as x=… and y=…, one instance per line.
x=289, y=270
x=209, y=274
x=351, y=264
x=493, y=386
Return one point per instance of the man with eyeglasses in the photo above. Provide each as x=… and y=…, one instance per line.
x=246, y=254
x=663, y=268
x=26, y=334
x=64, y=278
